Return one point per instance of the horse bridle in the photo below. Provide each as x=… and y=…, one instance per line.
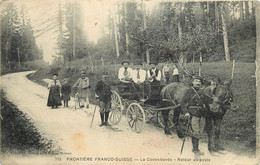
x=227, y=97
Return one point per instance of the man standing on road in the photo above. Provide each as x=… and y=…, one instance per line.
x=83, y=88
x=196, y=112
x=103, y=93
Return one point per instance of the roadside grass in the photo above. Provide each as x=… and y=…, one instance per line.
x=238, y=129
x=18, y=133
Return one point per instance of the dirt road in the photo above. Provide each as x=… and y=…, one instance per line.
x=71, y=131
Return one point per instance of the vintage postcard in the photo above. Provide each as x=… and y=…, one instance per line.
x=129, y=82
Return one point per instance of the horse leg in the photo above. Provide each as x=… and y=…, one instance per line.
x=217, y=134
x=165, y=114
x=209, y=128
x=176, y=115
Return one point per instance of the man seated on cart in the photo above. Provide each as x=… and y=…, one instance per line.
x=139, y=76
x=154, y=76
x=124, y=76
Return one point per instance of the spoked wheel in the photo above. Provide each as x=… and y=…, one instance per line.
x=116, y=108
x=135, y=117
x=161, y=120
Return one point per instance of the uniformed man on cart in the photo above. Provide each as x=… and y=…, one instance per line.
x=103, y=94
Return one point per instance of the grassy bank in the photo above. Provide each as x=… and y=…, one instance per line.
x=238, y=128
x=19, y=135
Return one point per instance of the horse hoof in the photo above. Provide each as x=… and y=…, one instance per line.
x=168, y=133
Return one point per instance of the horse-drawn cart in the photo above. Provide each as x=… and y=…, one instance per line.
x=138, y=112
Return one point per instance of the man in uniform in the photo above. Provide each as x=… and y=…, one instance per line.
x=103, y=93
x=196, y=112
x=139, y=76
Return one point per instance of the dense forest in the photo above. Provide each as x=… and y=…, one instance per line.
x=17, y=38
x=181, y=32
x=178, y=31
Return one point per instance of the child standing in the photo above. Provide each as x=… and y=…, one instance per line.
x=66, y=91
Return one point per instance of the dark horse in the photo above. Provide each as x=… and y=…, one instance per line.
x=179, y=94
x=222, y=101
x=217, y=99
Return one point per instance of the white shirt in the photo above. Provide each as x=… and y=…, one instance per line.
x=121, y=75
x=158, y=77
x=175, y=71
x=142, y=77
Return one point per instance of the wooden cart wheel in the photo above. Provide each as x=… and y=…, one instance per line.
x=135, y=117
x=161, y=120
x=116, y=108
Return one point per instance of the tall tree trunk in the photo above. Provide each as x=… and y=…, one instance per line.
x=116, y=38
x=253, y=9
x=233, y=13
x=126, y=34
x=216, y=15
x=241, y=11
x=227, y=13
x=225, y=35
x=74, y=33
x=144, y=28
x=246, y=10
x=182, y=58
x=60, y=34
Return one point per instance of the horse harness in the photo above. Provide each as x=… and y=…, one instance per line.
x=228, y=97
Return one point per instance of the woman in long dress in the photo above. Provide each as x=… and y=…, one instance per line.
x=54, y=86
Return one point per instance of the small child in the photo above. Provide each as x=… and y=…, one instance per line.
x=66, y=91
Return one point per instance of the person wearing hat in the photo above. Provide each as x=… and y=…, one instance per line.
x=83, y=88
x=54, y=86
x=196, y=112
x=139, y=76
x=124, y=73
x=103, y=94
x=154, y=76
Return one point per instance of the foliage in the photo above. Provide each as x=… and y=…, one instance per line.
x=17, y=41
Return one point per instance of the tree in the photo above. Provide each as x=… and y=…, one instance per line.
x=241, y=12
x=17, y=38
x=225, y=35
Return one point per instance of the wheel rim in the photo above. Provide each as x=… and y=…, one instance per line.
x=161, y=120
x=135, y=117
x=116, y=108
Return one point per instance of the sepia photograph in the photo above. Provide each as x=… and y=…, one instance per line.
x=129, y=82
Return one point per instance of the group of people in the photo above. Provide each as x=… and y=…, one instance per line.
x=138, y=76
x=59, y=92
x=127, y=75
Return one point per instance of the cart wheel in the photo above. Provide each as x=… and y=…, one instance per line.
x=161, y=120
x=116, y=108
x=135, y=117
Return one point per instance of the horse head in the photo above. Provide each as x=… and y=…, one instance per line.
x=222, y=97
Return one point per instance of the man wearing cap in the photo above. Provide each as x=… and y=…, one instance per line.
x=154, y=76
x=196, y=111
x=83, y=88
x=124, y=73
x=139, y=76
x=103, y=93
